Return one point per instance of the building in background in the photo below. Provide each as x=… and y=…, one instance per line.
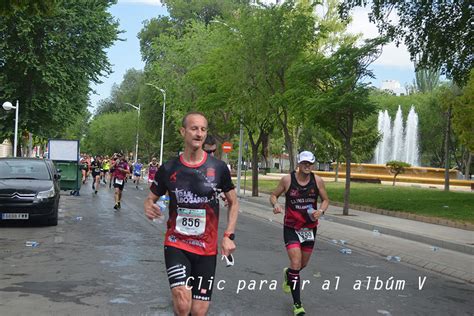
x=393, y=86
x=6, y=149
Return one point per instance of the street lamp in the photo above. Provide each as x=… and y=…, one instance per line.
x=163, y=119
x=138, y=127
x=8, y=106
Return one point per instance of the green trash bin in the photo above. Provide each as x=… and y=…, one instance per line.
x=71, y=175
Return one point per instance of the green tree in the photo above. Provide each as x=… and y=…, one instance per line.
x=48, y=61
x=12, y=7
x=426, y=80
x=128, y=91
x=337, y=98
x=463, y=121
x=463, y=114
x=396, y=168
x=437, y=33
x=203, y=10
x=112, y=132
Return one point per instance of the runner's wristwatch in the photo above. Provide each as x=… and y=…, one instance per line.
x=231, y=236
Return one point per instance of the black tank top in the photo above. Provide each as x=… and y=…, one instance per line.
x=298, y=200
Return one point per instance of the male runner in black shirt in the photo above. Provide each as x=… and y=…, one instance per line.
x=193, y=182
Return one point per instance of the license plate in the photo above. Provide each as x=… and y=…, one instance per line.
x=15, y=216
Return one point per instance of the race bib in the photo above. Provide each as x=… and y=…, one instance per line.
x=191, y=222
x=305, y=234
x=119, y=182
x=96, y=170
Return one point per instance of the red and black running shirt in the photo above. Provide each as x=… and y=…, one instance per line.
x=298, y=200
x=194, y=204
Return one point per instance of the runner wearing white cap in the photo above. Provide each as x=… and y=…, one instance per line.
x=302, y=189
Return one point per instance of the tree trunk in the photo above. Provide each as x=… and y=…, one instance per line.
x=30, y=144
x=468, y=166
x=265, y=149
x=289, y=147
x=446, y=149
x=348, y=156
x=347, y=190
x=255, y=170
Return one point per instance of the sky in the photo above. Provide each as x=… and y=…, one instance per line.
x=393, y=64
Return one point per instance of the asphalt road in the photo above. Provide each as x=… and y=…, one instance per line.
x=101, y=262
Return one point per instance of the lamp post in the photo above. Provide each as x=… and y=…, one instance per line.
x=138, y=127
x=8, y=106
x=162, y=120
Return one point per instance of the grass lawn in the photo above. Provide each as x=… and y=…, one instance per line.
x=451, y=205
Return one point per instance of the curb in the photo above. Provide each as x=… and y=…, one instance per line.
x=406, y=235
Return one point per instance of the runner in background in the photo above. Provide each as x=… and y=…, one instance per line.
x=210, y=147
x=84, y=167
x=137, y=172
x=96, y=167
x=152, y=169
x=113, y=162
x=121, y=171
x=105, y=169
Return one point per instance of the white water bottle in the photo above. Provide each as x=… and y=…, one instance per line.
x=311, y=211
x=163, y=203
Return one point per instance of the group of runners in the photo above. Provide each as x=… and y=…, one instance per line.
x=194, y=182
x=117, y=171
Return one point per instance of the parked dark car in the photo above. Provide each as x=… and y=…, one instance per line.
x=29, y=190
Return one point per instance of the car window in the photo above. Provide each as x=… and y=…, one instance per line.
x=24, y=169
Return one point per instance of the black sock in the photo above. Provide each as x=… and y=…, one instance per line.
x=293, y=277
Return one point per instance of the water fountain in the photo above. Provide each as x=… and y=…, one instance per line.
x=411, y=139
x=398, y=143
x=397, y=136
x=384, y=128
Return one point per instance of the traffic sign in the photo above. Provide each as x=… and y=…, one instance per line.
x=226, y=147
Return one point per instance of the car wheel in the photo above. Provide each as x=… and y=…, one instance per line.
x=52, y=221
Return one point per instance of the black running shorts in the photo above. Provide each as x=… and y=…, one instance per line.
x=194, y=271
x=292, y=240
x=119, y=185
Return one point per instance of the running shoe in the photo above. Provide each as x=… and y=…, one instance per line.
x=95, y=192
x=116, y=206
x=298, y=310
x=285, y=286
x=119, y=206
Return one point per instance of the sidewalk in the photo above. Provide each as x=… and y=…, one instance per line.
x=446, y=250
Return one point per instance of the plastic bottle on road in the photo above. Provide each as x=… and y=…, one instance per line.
x=393, y=258
x=163, y=203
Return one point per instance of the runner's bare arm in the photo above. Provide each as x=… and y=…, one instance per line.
x=323, y=195
x=152, y=210
x=280, y=189
x=228, y=246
